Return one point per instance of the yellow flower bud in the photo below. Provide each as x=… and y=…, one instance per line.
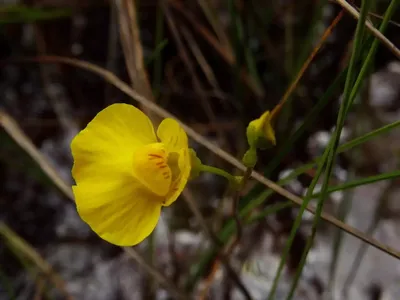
x=260, y=133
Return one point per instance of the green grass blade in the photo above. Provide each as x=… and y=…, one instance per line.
x=213, y=19
x=333, y=145
x=237, y=37
x=23, y=14
x=263, y=18
x=307, y=44
x=5, y=283
x=344, y=209
x=363, y=181
x=243, y=53
x=296, y=225
x=366, y=137
x=248, y=53
x=270, y=210
x=369, y=59
x=156, y=55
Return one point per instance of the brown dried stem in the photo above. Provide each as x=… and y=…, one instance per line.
x=375, y=32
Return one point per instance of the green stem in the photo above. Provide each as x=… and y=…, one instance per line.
x=5, y=281
x=151, y=248
x=219, y=172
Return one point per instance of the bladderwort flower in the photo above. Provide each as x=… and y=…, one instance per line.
x=125, y=172
x=260, y=135
x=260, y=132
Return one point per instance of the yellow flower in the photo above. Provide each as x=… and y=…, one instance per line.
x=124, y=173
x=260, y=130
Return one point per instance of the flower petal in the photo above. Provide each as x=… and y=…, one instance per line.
x=172, y=135
x=179, y=184
x=123, y=213
x=151, y=169
x=105, y=146
x=269, y=132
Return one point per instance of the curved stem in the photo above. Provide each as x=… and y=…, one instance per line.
x=218, y=171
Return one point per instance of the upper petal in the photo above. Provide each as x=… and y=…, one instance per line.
x=179, y=184
x=123, y=213
x=106, y=145
x=172, y=135
x=268, y=131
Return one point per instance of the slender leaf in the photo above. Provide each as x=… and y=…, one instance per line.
x=348, y=98
x=5, y=283
x=24, y=14
x=362, y=181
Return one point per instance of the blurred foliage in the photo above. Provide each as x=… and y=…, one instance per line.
x=25, y=14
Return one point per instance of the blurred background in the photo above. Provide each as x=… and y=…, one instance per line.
x=216, y=65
